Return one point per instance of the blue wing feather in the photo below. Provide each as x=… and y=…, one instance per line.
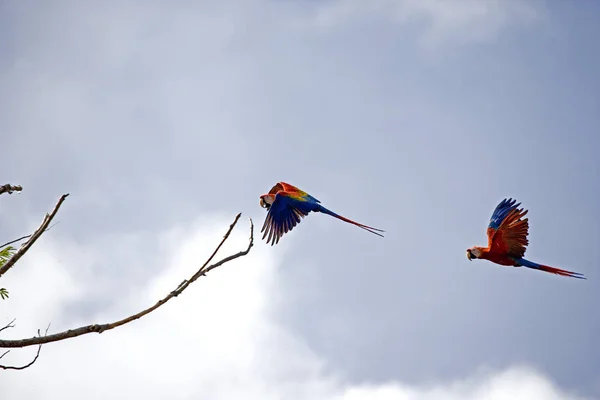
x=284, y=214
x=501, y=212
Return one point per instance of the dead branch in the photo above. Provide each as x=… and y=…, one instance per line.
x=34, y=236
x=8, y=188
x=9, y=325
x=37, y=355
x=23, y=237
x=105, y=327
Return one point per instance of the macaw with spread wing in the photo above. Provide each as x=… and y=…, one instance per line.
x=287, y=205
x=507, y=240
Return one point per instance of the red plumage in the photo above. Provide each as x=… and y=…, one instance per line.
x=507, y=240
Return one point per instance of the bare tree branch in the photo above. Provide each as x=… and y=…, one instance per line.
x=105, y=327
x=5, y=367
x=34, y=236
x=8, y=188
x=24, y=237
x=9, y=325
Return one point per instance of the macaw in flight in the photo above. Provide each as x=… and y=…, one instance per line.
x=507, y=239
x=287, y=205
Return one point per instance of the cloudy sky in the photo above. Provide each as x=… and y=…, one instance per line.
x=163, y=121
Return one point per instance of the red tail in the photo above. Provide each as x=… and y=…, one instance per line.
x=561, y=272
x=365, y=227
x=552, y=270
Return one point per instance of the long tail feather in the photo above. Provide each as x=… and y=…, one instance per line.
x=365, y=227
x=552, y=270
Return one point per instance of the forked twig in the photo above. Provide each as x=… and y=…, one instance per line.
x=37, y=355
x=205, y=268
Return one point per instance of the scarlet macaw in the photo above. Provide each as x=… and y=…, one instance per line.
x=287, y=205
x=507, y=240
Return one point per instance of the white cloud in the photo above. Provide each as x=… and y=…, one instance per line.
x=515, y=384
x=443, y=21
x=219, y=340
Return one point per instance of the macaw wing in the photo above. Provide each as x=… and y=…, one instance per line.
x=291, y=190
x=507, y=231
x=277, y=188
x=284, y=214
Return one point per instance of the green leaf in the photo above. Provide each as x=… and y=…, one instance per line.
x=5, y=254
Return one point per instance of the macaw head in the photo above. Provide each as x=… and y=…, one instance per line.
x=266, y=200
x=473, y=253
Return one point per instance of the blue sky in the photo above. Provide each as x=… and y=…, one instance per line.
x=416, y=117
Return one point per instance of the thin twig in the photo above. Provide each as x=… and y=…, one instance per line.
x=105, y=327
x=37, y=355
x=25, y=237
x=8, y=188
x=9, y=325
x=34, y=236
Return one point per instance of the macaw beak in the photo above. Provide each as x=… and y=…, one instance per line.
x=263, y=203
x=469, y=255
